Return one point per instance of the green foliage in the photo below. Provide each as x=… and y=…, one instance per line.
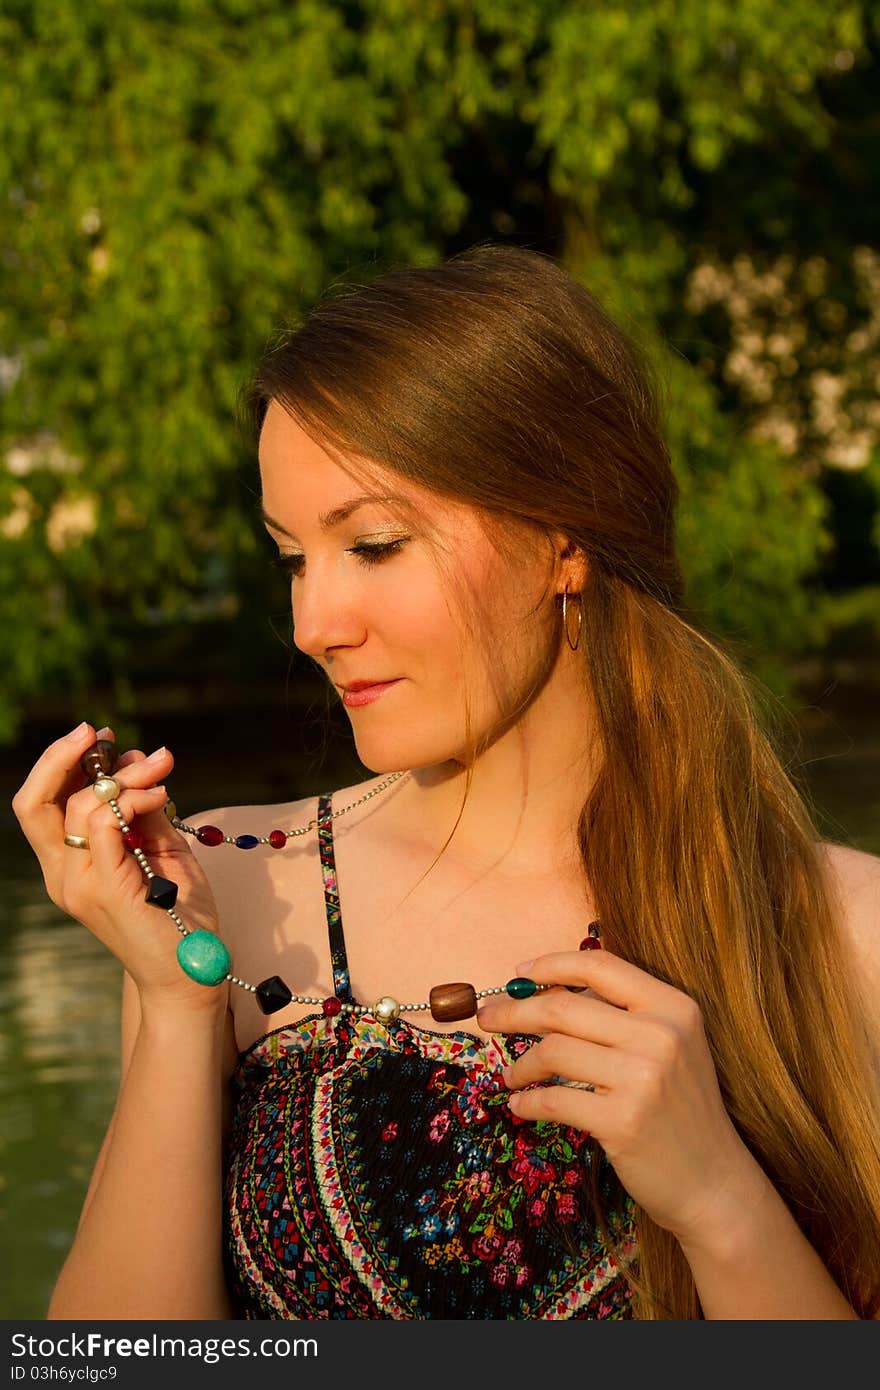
x=751, y=532
x=177, y=175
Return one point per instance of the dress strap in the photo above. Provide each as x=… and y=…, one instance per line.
x=338, y=958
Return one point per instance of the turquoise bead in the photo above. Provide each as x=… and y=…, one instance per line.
x=203, y=957
x=520, y=988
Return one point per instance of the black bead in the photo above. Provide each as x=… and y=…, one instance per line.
x=272, y=994
x=161, y=892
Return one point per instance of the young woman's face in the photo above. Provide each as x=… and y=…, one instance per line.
x=393, y=615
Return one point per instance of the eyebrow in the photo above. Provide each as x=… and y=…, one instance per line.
x=327, y=520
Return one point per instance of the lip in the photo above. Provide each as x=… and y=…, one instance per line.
x=363, y=692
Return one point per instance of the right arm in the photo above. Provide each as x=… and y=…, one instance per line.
x=149, y=1239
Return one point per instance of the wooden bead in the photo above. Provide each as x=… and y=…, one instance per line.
x=449, y=1003
x=99, y=760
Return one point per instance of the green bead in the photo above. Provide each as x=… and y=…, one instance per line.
x=203, y=957
x=520, y=988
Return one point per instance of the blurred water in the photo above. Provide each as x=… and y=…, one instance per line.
x=59, y=1028
x=59, y=989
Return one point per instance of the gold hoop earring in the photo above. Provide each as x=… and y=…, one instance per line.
x=574, y=645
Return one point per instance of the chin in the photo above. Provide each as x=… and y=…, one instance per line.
x=394, y=753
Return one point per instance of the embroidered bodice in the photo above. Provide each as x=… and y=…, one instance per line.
x=375, y=1171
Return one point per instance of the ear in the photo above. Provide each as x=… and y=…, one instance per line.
x=572, y=564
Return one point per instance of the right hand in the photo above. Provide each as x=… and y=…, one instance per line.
x=102, y=886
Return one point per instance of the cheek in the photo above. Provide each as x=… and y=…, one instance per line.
x=516, y=655
x=415, y=616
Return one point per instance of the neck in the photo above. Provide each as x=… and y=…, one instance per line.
x=526, y=794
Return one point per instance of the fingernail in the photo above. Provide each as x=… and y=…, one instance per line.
x=525, y=965
x=106, y=732
x=157, y=756
x=76, y=734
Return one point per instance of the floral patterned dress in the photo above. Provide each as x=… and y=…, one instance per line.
x=376, y=1171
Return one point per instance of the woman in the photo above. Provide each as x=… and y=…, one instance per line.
x=463, y=470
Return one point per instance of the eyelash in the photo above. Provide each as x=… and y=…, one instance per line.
x=367, y=555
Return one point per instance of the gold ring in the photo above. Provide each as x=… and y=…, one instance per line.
x=77, y=841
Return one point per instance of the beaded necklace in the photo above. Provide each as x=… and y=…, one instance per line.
x=204, y=957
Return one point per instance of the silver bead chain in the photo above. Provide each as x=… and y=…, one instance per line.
x=386, y=1014
x=303, y=830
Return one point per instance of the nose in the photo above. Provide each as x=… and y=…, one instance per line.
x=326, y=615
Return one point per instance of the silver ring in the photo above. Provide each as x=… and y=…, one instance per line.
x=77, y=841
x=576, y=1085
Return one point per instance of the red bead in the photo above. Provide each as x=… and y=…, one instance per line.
x=209, y=835
x=133, y=839
x=590, y=943
x=277, y=839
x=332, y=1006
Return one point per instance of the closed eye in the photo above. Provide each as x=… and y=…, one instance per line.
x=367, y=555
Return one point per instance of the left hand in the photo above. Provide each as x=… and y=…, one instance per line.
x=656, y=1109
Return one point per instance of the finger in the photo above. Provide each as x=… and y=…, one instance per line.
x=106, y=850
x=159, y=768
x=133, y=755
x=107, y=847
x=125, y=758
x=158, y=834
x=563, y=1104
x=40, y=802
x=140, y=772
x=557, y=1011
x=560, y=1057
x=617, y=980
x=153, y=825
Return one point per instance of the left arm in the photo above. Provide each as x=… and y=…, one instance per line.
x=754, y=1262
x=757, y=1258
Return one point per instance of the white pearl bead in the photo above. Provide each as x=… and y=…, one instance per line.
x=386, y=1009
x=106, y=789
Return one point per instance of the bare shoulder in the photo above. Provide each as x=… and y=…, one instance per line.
x=229, y=868
x=240, y=877
x=854, y=877
x=271, y=904
x=262, y=818
x=232, y=821
x=242, y=820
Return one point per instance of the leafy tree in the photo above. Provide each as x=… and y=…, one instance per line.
x=176, y=175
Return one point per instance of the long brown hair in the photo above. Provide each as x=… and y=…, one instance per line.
x=497, y=380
